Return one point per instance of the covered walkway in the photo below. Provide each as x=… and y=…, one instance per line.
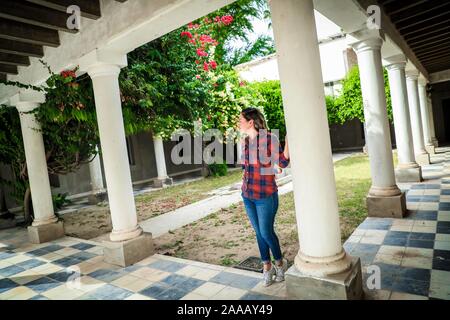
x=322, y=269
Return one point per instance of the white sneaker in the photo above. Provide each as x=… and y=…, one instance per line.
x=268, y=276
x=279, y=277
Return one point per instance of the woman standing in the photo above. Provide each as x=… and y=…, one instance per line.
x=262, y=158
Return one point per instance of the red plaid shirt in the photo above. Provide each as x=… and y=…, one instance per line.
x=258, y=160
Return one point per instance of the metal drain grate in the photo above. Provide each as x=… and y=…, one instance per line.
x=254, y=264
x=251, y=264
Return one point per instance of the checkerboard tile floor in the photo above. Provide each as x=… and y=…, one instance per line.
x=412, y=254
x=71, y=268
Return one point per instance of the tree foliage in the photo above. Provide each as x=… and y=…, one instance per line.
x=350, y=105
x=272, y=105
x=347, y=106
x=244, y=13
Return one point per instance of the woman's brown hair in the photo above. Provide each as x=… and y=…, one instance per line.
x=257, y=117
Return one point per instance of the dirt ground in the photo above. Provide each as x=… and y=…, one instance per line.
x=227, y=237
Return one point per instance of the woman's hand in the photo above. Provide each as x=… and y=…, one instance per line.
x=277, y=169
x=286, y=148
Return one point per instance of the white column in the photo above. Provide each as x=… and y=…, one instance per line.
x=425, y=116
x=367, y=45
x=421, y=154
x=104, y=71
x=33, y=141
x=408, y=170
x=432, y=128
x=160, y=158
x=95, y=170
x=239, y=147
x=316, y=207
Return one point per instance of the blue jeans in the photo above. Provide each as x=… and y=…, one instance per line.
x=261, y=213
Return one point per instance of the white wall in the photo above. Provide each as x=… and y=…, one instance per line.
x=331, y=56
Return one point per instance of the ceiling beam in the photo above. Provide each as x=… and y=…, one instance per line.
x=14, y=60
x=6, y=68
x=23, y=11
x=427, y=27
x=433, y=5
x=426, y=40
x=427, y=35
x=400, y=6
x=442, y=41
x=443, y=58
x=438, y=67
x=12, y=30
x=89, y=8
x=20, y=48
x=432, y=53
x=430, y=20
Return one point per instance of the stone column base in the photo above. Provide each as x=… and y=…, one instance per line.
x=386, y=207
x=343, y=286
x=205, y=171
x=408, y=175
x=159, y=183
x=98, y=197
x=365, y=149
x=423, y=159
x=431, y=149
x=128, y=252
x=435, y=142
x=46, y=232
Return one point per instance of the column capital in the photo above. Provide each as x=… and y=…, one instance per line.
x=395, y=62
x=102, y=62
x=27, y=100
x=422, y=81
x=412, y=75
x=365, y=39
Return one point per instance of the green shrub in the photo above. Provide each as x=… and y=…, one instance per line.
x=60, y=200
x=218, y=169
x=272, y=105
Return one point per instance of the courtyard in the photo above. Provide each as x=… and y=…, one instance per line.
x=411, y=253
x=117, y=104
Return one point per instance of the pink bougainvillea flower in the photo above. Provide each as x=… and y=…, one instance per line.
x=201, y=53
x=205, y=66
x=206, y=38
x=217, y=19
x=213, y=64
x=68, y=73
x=227, y=20
x=198, y=76
x=186, y=34
x=242, y=83
x=192, y=41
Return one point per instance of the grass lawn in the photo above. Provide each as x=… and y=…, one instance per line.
x=226, y=237
x=161, y=201
x=92, y=223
